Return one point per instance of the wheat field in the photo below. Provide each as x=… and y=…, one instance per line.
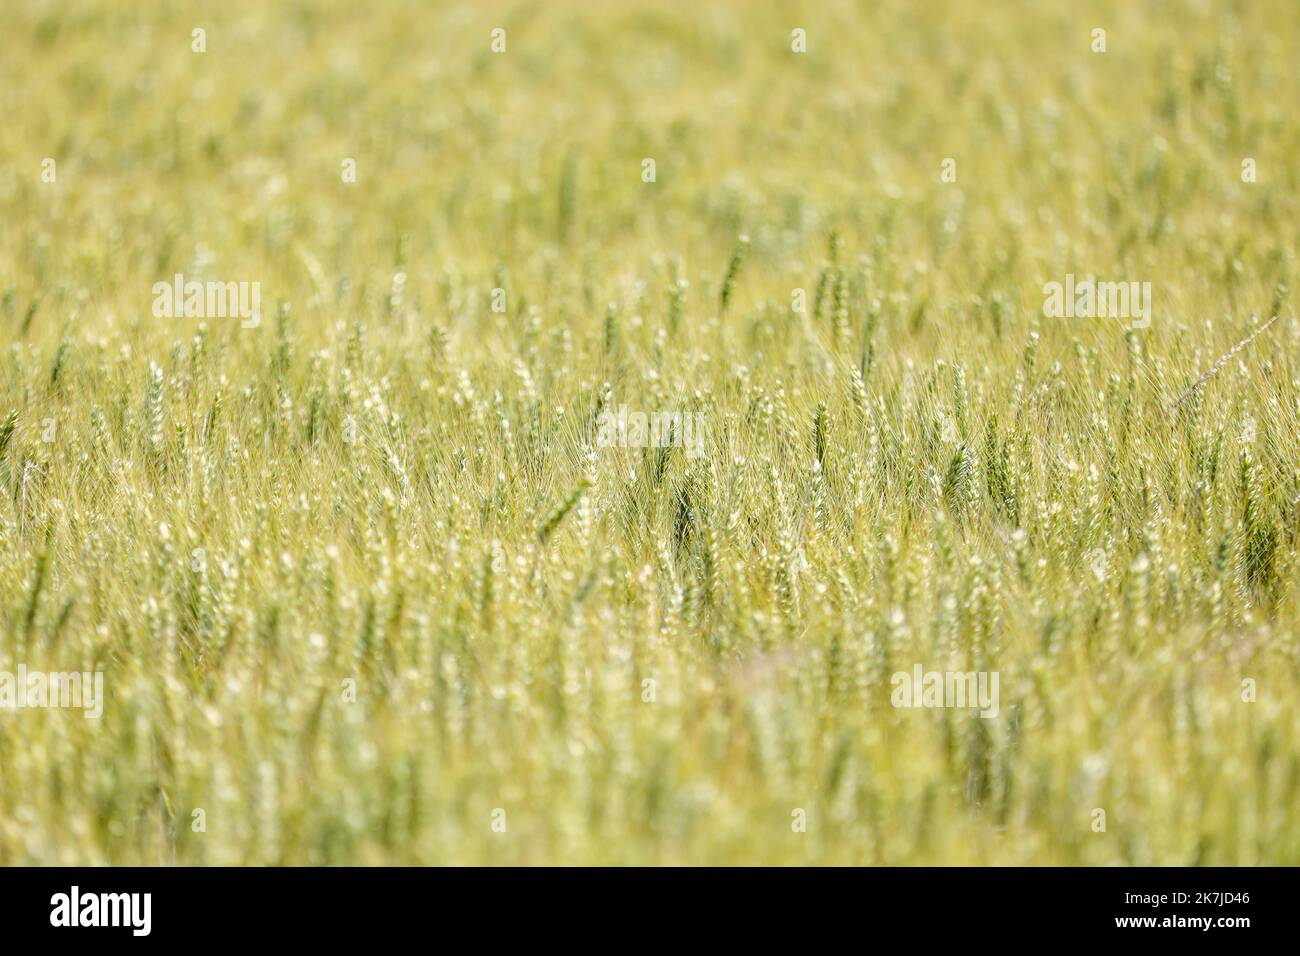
x=365, y=581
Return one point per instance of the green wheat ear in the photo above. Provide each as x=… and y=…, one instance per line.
x=611, y=328
x=560, y=511
x=840, y=307
x=153, y=409
x=733, y=270
x=676, y=303
x=1259, y=536
x=60, y=359
x=7, y=431
x=821, y=425
x=959, y=483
